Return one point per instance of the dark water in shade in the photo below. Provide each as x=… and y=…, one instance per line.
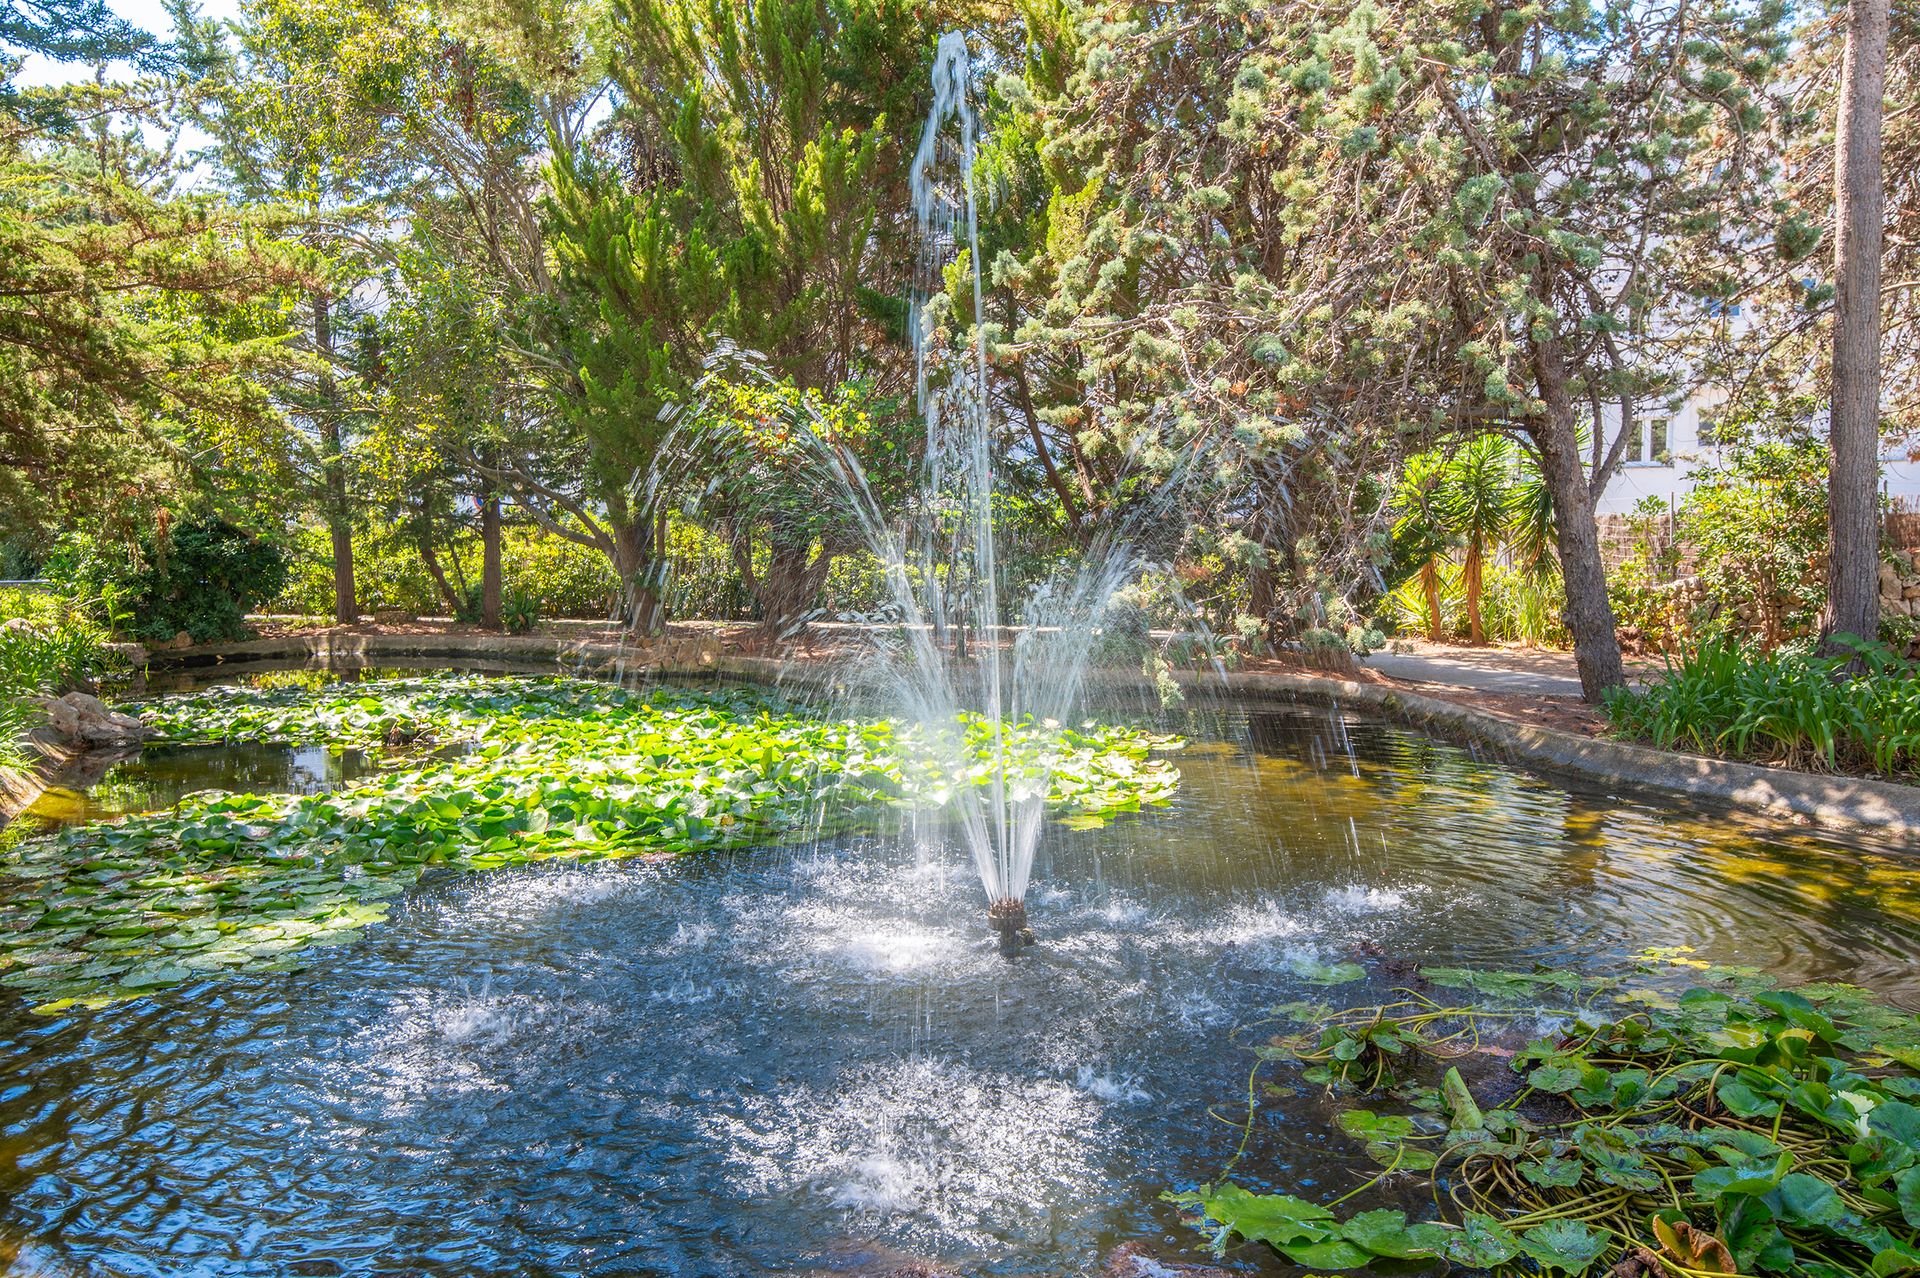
x=806, y=1061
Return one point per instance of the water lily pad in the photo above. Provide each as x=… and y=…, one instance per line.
x=1569, y=1246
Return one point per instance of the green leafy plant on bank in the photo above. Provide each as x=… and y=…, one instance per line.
x=1788, y=706
x=47, y=648
x=1738, y=1128
x=545, y=770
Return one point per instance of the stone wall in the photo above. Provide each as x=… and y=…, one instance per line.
x=1900, y=594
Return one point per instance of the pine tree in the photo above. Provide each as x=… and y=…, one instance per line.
x=777, y=124
x=1305, y=241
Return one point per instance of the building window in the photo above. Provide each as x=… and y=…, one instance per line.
x=1645, y=432
x=1708, y=430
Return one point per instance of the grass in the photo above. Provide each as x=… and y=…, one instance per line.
x=1788, y=707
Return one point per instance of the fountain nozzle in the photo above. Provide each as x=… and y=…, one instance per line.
x=1008, y=917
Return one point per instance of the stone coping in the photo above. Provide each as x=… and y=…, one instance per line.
x=1798, y=797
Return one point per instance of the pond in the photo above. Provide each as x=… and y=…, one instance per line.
x=812, y=1059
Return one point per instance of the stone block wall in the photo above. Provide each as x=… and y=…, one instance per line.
x=1900, y=596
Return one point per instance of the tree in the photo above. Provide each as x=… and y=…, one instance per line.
x=1853, y=503
x=298, y=97
x=771, y=124
x=1475, y=505
x=82, y=31
x=1302, y=238
x=128, y=310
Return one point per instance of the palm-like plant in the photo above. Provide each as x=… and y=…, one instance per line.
x=1473, y=502
x=1532, y=527
x=1420, y=538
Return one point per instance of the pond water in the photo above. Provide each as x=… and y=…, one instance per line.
x=814, y=1061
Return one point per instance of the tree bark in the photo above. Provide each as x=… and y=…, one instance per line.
x=1859, y=200
x=431, y=558
x=1471, y=577
x=1430, y=586
x=787, y=590
x=489, y=554
x=636, y=568
x=337, y=506
x=1589, y=614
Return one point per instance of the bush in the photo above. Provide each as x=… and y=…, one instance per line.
x=1755, y=529
x=1786, y=706
x=519, y=611
x=203, y=578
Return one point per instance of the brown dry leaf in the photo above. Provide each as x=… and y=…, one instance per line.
x=1695, y=1248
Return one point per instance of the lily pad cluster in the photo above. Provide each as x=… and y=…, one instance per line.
x=544, y=770
x=1738, y=1128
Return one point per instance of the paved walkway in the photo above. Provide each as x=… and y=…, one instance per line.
x=1516, y=670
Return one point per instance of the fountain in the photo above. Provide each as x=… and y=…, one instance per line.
x=945, y=649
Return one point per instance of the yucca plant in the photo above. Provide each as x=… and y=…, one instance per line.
x=1472, y=502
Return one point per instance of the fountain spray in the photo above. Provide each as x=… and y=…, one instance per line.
x=976, y=689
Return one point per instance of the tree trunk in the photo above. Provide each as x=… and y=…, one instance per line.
x=431, y=558
x=787, y=590
x=336, y=504
x=489, y=554
x=636, y=568
x=1589, y=615
x=1430, y=585
x=1859, y=199
x=1471, y=577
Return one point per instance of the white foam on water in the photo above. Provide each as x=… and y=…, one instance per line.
x=1111, y=1088
x=1355, y=899
x=691, y=936
x=971, y=1156
x=895, y=950
x=480, y=1020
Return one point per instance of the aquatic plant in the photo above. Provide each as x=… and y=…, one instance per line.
x=521, y=772
x=1786, y=706
x=1735, y=1128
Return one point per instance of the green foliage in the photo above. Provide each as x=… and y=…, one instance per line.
x=203, y=577
x=47, y=647
x=1787, y=706
x=1754, y=530
x=525, y=772
x=1515, y=606
x=1454, y=511
x=1737, y=1128
x=1757, y=521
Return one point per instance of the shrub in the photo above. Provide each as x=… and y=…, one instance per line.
x=1754, y=529
x=203, y=578
x=1786, y=706
x=519, y=610
x=1516, y=606
x=1758, y=525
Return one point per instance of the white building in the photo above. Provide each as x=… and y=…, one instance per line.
x=1670, y=447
